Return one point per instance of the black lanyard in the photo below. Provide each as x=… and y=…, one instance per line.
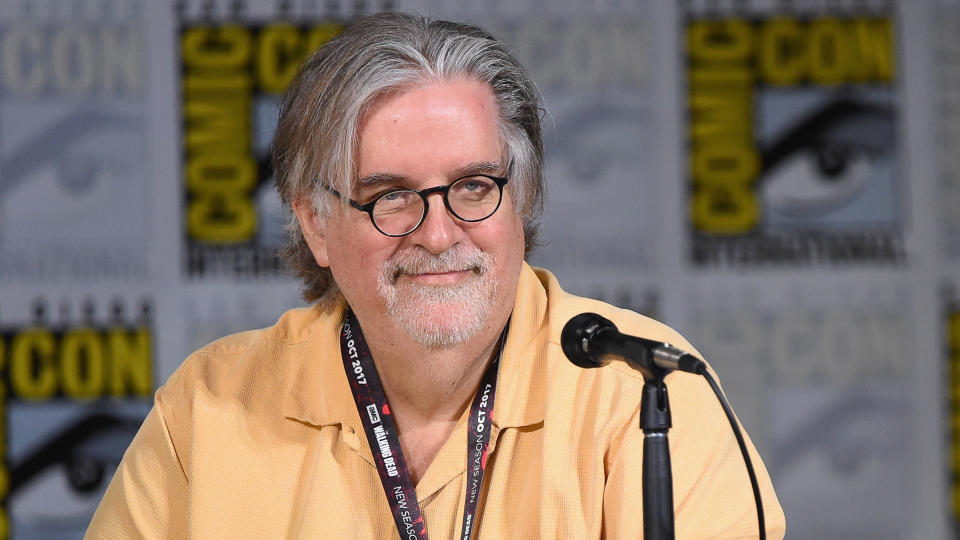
x=385, y=445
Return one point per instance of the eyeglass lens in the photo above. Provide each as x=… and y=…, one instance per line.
x=473, y=198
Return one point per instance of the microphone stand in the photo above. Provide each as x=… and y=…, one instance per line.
x=586, y=340
x=655, y=423
x=657, y=472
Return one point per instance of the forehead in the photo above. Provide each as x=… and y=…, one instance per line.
x=430, y=129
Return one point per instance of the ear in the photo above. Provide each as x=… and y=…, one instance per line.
x=312, y=228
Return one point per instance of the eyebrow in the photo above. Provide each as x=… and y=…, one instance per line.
x=379, y=178
x=477, y=167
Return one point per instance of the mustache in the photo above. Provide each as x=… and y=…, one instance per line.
x=416, y=260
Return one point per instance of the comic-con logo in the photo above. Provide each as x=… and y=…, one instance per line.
x=74, y=393
x=792, y=155
x=233, y=74
x=73, y=148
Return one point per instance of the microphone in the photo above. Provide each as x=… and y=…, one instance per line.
x=590, y=340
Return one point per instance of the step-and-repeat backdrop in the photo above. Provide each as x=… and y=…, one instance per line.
x=779, y=180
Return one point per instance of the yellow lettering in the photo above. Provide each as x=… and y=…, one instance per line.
x=721, y=115
x=721, y=210
x=215, y=125
x=130, y=360
x=4, y=491
x=723, y=54
x=220, y=173
x=278, y=56
x=33, y=374
x=725, y=78
x=723, y=199
x=874, y=47
x=955, y=454
x=221, y=217
x=826, y=51
x=215, y=85
x=955, y=498
x=82, y=364
x=216, y=48
x=782, y=59
x=720, y=40
x=725, y=164
x=829, y=52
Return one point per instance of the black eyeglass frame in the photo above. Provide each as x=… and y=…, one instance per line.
x=500, y=181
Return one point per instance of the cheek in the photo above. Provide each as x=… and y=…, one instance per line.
x=356, y=262
x=506, y=240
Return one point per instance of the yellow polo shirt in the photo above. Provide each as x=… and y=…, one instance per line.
x=257, y=436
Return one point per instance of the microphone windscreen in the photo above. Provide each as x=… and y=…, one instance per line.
x=576, y=336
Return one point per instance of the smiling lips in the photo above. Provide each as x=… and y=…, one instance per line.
x=448, y=268
x=439, y=278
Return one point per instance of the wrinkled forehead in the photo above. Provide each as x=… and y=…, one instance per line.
x=442, y=128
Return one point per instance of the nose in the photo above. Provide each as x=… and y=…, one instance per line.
x=439, y=231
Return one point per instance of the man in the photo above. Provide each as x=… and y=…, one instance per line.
x=425, y=392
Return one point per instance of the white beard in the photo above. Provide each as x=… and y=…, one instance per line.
x=439, y=315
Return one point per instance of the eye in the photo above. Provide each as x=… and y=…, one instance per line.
x=474, y=187
x=821, y=168
x=76, y=463
x=815, y=181
x=397, y=196
x=395, y=201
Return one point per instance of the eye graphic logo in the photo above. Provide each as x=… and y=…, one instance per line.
x=74, y=394
x=792, y=139
x=826, y=160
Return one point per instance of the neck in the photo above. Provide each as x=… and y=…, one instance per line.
x=425, y=384
x=429, y=388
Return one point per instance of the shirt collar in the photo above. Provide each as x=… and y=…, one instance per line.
x=318, y=392
x=521, y=391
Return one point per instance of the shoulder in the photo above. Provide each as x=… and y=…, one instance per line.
x=614, y=389
x=293, y=326
x=237, y=384
x=238, y=349
x=245, y=367
x=562, y=306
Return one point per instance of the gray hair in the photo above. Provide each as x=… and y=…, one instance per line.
x=316, y=139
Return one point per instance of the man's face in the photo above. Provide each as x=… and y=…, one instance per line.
x=449, y=279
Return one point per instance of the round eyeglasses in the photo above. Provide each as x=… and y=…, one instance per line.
x=399, y=212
